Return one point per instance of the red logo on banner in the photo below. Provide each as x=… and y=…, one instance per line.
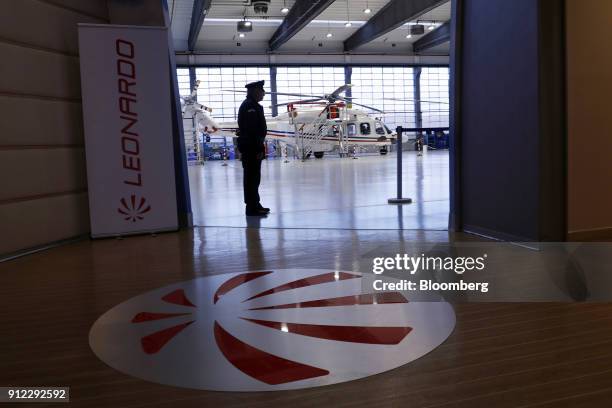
x=134, y=208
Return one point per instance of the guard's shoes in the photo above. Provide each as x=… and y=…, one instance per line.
x=256, y=212
x=264, y=209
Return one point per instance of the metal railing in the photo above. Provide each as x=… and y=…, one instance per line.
x=311, y=133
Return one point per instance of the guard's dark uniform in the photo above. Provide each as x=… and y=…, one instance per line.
x=253, y=129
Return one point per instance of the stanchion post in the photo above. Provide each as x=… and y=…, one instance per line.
x=399, y=199
x=225, y=156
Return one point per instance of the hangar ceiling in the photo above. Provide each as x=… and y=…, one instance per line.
x=219, y=35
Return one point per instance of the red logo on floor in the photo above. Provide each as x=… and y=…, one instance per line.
x=269, y=330
x=259, y=364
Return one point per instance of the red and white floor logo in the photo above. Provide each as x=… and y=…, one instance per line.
x=268, y=330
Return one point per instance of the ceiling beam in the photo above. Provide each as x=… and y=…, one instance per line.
x=302, y=13
x=393, y=15
x=200, y=9
x=434, y=38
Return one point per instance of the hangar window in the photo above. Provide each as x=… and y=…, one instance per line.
x=386, y=88
x=435, y=97
x=214, y=82
x=182, y=76
x=307, y=81
x=364, y=128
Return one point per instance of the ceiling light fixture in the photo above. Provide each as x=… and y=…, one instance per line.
x=244, y=26
x=367, y=10
x=409, y=36
x=348, y=16
x=242, y=35
x=431, y=27
x=417, y=29
x=285, y=9
x=245, y=22
x=329, y=35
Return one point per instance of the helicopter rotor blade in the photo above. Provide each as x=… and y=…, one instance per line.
x=359, y=104
x=296, y=95
x=417, y=100
x=299, y=102
x=275, y=93
x=389, y=113
x=334, y=96
x=233, y=90
x=340, y=90
x=368, y=107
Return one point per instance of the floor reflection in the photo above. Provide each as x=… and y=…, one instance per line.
x=328, y=193
x=254, y=248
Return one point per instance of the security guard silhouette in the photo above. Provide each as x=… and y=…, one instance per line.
x=253, y=129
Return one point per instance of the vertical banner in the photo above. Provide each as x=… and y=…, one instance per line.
x=128, y=129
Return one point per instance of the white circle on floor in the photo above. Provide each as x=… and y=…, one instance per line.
x=268, y=330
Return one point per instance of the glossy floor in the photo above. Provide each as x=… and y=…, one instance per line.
x=328, y=193
x=500, y=355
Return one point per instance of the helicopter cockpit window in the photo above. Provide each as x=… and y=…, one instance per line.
x=380, y=130
x=351, y=129
x=388, y=130
x=365, y=128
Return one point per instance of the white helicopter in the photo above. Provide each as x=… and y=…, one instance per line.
x=200, y=113
x=318, y=125
x=326, y=123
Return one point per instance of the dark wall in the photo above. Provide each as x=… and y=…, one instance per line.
x=43, y=187
x=500, y=123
